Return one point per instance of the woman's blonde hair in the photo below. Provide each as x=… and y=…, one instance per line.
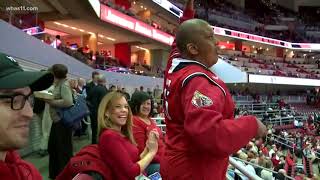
x=105, y=123
x=73, y=83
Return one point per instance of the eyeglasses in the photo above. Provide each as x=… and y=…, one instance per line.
x=18, y=101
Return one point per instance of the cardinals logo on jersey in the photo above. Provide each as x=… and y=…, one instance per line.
x=200, y=100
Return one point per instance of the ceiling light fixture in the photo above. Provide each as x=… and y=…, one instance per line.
x=111, y=39
x=142, y=48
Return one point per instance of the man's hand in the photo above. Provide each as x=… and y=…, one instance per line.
x=262, y=129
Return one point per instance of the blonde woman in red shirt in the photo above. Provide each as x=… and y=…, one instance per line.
x=116, y=144
x=141, y=106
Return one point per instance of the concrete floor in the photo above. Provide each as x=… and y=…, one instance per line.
x=42, y=163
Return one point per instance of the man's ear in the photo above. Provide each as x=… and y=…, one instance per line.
x=192, y=49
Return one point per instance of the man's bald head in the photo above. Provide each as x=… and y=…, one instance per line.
x=188, y=32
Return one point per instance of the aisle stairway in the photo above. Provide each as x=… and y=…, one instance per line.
x=307, y=164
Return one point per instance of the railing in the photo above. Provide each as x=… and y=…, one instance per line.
x=281, y=120
x=262, y=112
x=233, y=160
x=279, y=137
x=158, y=119
x=242, y=169
x=252, y=107
x=161, y=126
x=288, y=142
x=228, y=177
x=284, y=143
x=288, y=99
x=242, y=98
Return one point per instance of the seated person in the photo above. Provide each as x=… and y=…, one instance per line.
x=16, y=89
x=274, y=160
x=116, y=144
x=87, y=162
x=141, y=106
x=309, y=153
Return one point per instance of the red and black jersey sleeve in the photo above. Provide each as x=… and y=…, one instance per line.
x=204, y=103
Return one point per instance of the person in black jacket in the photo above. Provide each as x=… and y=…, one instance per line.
x=93, y=83
x=94, y=98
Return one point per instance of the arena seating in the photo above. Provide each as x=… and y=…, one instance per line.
x=255, y=20
x=268, y=65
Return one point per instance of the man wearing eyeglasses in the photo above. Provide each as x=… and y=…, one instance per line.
x=16, y=87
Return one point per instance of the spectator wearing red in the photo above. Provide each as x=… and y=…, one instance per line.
x=16, y=87
x=289, y=159
x=281, y=103
x=87, y=161
x=201, y=132
x=264, y=150
x=48, y=40
x=275, y=161
x=126, y=4
x=116, y=145
x=141, y=106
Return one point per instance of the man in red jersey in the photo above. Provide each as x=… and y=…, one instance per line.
x=16, y=87
x=201, y=131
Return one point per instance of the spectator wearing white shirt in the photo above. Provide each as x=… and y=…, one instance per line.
x=273, y=150
x=297, y=123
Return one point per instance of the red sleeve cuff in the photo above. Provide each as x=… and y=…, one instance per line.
x=187, y=14
x=136, y=170
x=156, y=159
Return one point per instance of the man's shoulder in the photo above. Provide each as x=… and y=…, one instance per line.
x=98, y=88
x=90, y=84
x=103, y=89
x=23, y=166
x=189, y=72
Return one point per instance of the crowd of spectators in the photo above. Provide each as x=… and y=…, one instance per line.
x=268, y=154
x=67, y=90
x=267, y=13
x=265, y=155
x=103, y=59
x=287, y=148
x=264, y=65
x=128, y=11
